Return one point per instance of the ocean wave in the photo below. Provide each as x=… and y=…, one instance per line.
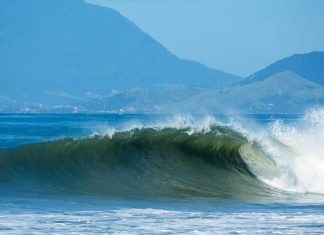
x=137, y=163
x=176, y=159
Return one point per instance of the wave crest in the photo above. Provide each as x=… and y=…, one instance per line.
x=181, y=160
x=140, y=163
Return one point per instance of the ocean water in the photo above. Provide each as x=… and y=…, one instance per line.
x=162, y=174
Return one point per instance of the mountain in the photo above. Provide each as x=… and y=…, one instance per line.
x=284, y=92
x=71, y=56
x=139, y=100
x=309, y=66
x=58, y=52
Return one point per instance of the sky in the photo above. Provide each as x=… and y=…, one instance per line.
x=236, y=36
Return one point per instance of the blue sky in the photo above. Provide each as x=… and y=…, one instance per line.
x=237, y=36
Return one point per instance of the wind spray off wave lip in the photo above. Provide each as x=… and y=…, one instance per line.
x=302, y=163
x=180, y=158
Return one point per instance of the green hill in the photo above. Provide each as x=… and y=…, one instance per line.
x=309, y=66
x=284, y=92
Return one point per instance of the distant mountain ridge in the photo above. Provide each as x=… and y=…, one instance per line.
x=284, y=92
x=280, y=92
x=59, y=51
x=71, y=56
x=309, y=66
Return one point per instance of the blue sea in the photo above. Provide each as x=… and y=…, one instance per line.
x=162, y=174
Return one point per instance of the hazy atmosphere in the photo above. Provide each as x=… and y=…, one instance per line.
x=238, y=37
x=161, y=117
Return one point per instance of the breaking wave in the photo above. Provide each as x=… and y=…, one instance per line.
x=210, y=160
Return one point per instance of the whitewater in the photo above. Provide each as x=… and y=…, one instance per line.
x=118, y=173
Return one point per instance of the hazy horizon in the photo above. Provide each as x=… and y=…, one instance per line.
x=226, y=35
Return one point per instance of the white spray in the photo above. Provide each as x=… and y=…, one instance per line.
x=306, y=139
x=298, y=151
